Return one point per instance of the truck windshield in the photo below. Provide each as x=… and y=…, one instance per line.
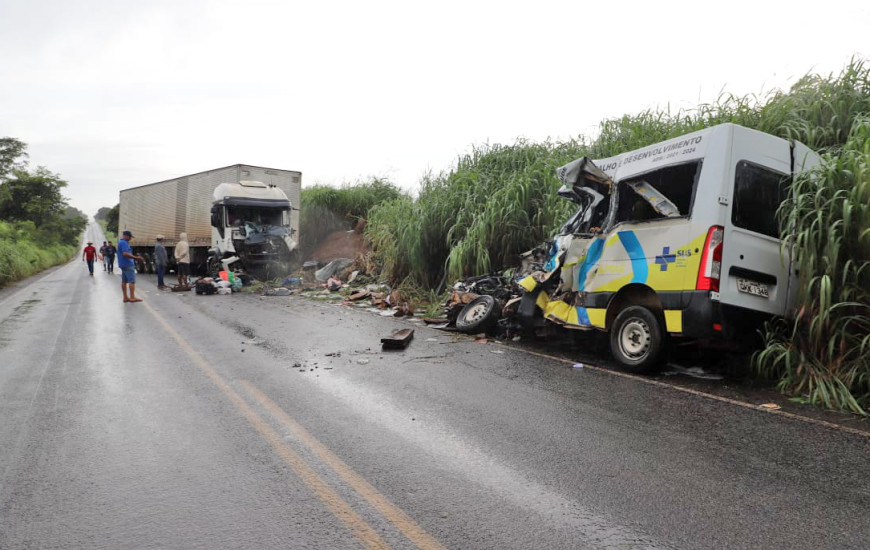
x=238, y=216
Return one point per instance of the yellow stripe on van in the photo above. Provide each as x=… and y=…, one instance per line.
x=559, y=311
x=674, y=320
x=597, y=316
x=528, y=283
x=542, y=300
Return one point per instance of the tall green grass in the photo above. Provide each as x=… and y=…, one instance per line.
x=499, y=200
x=823, y=355
x=21, y=257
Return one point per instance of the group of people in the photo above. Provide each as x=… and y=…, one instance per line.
x=127, y=262
x=106, y=255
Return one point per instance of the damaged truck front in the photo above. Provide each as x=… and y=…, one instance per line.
x=250, y=224
x=678, y=239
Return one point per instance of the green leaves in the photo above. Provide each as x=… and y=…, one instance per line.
x=823, y=355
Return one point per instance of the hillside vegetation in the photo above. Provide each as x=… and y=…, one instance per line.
x=37, y=227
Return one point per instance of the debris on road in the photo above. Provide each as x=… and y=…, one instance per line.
x=359, y=295
x=280, y=291
x=770, y=406
x=399, y=339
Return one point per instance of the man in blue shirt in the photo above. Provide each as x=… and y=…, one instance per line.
x=126, y=263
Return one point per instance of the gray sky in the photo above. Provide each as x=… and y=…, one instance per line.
x=115, y=94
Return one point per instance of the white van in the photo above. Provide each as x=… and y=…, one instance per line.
x=679, y=238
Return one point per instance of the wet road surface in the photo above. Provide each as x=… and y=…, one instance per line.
x=243, y=421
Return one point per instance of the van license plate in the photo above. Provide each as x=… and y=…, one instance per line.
x=751, y=287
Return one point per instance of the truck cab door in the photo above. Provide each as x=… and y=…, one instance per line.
x=755, y=272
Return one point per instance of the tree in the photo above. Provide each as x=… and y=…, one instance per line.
x=12, y=151
x=101, y=213
x=112, y=219
x=32, y=196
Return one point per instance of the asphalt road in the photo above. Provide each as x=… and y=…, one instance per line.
x=243, y=421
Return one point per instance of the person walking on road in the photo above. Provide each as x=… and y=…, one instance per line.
x=103, y=256
x=182, y=258
x=89, y=254
x=128, y=271
x=161, y=259
x=110, y=257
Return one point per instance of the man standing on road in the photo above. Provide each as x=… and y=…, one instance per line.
x=89, y=254
x=182, y=259
x=128, y=271
x=162, y=259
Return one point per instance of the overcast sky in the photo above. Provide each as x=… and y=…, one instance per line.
x=114, y=94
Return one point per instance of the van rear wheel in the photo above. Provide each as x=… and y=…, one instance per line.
x=637, y=340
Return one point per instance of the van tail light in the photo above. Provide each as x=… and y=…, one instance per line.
x=711, y=260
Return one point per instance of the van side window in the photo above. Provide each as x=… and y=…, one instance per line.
x=758, y=193
x=677, y=183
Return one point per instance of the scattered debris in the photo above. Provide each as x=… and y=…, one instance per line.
x=333, y=284
x=359, y=295
x=770, y=406
x=496, y=351
x=578, y=365
x=362, y=361
x=481, y=340
x=280, y=291
x=331, y=269
x=399, y=339
x=334, y=354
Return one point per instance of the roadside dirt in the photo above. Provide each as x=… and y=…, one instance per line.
x=339, y=244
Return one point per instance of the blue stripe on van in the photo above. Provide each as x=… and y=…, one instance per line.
x=582, y=316
x=635, y=253
x=593, y=254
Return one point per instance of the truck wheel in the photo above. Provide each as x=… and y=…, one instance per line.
x=212, y=267
x=637, y=340
x=478, y=315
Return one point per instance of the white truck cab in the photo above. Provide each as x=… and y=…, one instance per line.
x=250, y=221
x=678, y=238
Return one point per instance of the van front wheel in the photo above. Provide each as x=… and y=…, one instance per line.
x=637, y=339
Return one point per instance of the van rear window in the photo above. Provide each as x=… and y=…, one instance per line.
x=758, y=193
x=676, y=183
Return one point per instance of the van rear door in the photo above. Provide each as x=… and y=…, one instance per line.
x=755, y=275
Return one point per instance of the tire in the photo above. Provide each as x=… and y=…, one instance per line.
x=637, y=340
x=213, y=266
x=479, y=315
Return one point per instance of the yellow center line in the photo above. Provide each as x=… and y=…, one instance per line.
x=393, y=513
x=341, y=509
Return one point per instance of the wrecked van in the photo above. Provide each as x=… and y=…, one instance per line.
x=678, y=239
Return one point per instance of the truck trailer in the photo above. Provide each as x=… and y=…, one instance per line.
x=239, y=214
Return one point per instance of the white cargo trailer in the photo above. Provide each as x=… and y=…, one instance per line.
x=183, y=205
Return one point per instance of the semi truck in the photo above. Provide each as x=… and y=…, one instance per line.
x=235, y=216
